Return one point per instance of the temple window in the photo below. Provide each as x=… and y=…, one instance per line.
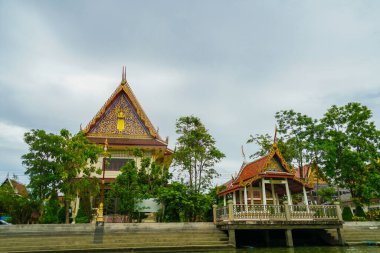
x=114, y=164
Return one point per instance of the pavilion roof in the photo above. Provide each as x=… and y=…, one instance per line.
x=309, y=172
x=272, y=165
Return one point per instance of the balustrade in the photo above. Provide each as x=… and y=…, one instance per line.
x=241, y=212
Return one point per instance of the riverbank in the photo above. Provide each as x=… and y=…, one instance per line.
x=359, y=233
x=112, y=237
x=144, y=237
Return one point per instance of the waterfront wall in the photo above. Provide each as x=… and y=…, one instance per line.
x=125, y=237
x=108, y=227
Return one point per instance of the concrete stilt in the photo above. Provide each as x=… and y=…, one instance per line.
x=267, y=238
x=289, y=238
x=340, y=237
x=231, y=237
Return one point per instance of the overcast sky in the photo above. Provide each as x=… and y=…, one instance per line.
x=231, y=63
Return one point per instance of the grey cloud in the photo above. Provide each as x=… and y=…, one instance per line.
x=234, y=64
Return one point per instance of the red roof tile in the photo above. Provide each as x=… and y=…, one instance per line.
x=252, y=169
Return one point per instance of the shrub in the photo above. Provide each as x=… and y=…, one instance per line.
x=82, y=217
x=358, y=218
x=359, y=212
x=51, y=208
x=373, y=215
x=347, y=214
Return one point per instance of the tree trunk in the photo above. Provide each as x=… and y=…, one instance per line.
x=67, y=213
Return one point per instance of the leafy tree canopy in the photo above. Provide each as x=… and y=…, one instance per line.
x=196, y=154
x=54, y=163
x=344, y=143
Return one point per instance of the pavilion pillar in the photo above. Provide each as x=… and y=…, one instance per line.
x=273, y=193
x=230, y=210
x=288, y=195
x=264, y=195
x=240, y=197
x=224, y=200
x=214, y=212
x=245, y=196
x=251, y=193
x=234, y=197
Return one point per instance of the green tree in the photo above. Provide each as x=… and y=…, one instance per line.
x=126, y=189
x=55, y=162
x=51, y=207
x=327, y=194
x=298, y=131
x=43, y=162
x=350, y=149
x=183, y=204
x=151, y=177
x=265, y=144
x=196, y=153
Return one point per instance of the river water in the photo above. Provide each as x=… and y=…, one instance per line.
x=352, y=249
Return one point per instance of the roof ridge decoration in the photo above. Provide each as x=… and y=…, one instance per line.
x=126, y=89
x=276, y=151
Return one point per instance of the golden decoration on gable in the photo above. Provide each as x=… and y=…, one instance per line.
x=120, y=120
x=273, y=165
x=122, y=89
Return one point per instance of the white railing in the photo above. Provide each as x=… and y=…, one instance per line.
x=324, y=212
x=242, y=212
x=222, y=213
x=259, y=212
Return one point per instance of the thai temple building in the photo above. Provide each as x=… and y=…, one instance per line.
x=266, y=181
x=121, y=125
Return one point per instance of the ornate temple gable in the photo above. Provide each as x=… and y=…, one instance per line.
x=274, y=165
x=121, y=116
x=120, y=119
x=275, y=157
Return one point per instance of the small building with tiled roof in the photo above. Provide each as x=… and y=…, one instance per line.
x=266, y=180
x=17, y=187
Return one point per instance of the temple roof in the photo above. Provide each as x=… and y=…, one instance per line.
x=17, y=187
x=273, y=165
x=136, y=130
x=309, y=172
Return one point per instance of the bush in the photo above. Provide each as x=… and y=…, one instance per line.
x=51, y=209
x=359, y=212
x=347, y=214
x=62, y=215
x=358, y=218
x=82, y=217
x=373, y=215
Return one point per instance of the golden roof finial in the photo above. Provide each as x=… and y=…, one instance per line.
x=124, y=75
